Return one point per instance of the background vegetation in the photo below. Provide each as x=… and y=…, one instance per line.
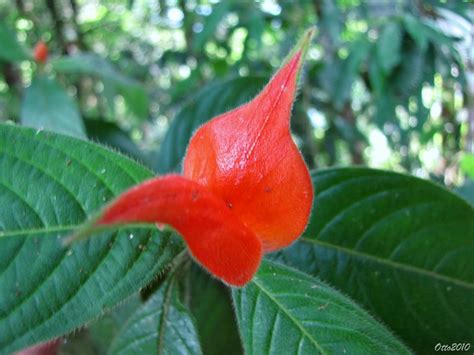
x=387, y=84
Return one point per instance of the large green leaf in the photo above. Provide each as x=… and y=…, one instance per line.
x=47, y=106
x=94, y=65
x=283, y=311
x=10, y=49
x=49, y=184
x=212, y=100
x=401, y=246
x=161, y=326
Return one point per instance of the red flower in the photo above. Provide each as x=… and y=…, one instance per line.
x=40, y=52
x=245, y=188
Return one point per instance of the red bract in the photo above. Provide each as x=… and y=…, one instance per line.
x=215, y=236
x=40, y=53
x=248, y=158
x=245, y=189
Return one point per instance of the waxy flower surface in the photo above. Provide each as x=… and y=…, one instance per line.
x=244, y=191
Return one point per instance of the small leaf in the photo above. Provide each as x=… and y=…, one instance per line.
x=283, y=311
x=376, y=74
x=409, y=76
x=47, y=106
x=218, y=13
x=111, y=135
x=92, y=64
x=401, y=246
x=350, y=68
x=416, y=29
x=10, y=49
x=161, y=326
x=51, y=184
x=388, y=46
x=103, y=332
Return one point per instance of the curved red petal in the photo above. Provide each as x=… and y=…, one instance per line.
x=248, y=158
x=213, y=233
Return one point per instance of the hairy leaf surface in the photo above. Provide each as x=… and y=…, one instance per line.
x=283, y=311
x=401, y=246
x=49, y=184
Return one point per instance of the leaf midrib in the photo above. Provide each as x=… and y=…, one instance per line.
x=289, y=315
x=391, y=263
x=66, y=228
x=164, y=315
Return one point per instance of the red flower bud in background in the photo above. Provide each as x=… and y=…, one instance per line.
x=40, y=52
x=245, y=187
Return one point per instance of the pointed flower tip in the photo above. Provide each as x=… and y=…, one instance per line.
x=306, y=40
x=299, y=51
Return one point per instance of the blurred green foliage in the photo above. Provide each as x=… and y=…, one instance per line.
x=385, y=85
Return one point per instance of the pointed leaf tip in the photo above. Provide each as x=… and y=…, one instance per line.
x=248, y=158
x=215, y=236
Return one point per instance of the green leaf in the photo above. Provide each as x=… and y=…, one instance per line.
x=47, y=106
x=388, y=46
x=212, y=100
x=102, y=332
x=467, y=165
x=161, y=326
x=283, y=311
x=384, y=111
x=350, y=69
x=376, y=74
x=416, y=30
x=408, y=77
x=401, y=246
x=10, y=49
x=210, y=304
x=94, y=65
x=95, y=338
x=49, y=184
x=210, y=25
x=109, y=134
